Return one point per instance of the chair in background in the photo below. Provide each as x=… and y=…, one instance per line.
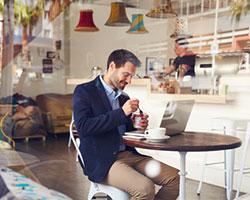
x=97, y=188
x=243, y=161
x=74, y=134
x=229, y=126
x=56, y=111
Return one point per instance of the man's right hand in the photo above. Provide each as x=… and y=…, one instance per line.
x=130, y=106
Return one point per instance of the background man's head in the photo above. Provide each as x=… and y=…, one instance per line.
x=121, y=56
x=181, y=46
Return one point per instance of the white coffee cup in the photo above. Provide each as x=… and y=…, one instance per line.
x=155, y=133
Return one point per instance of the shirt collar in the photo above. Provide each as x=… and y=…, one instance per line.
x=109, y=91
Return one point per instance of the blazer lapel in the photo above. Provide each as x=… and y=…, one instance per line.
x=101, y=94
x=122, y=100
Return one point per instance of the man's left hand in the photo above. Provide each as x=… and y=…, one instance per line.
x=143, y=122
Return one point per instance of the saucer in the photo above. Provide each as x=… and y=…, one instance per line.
x=157, y=139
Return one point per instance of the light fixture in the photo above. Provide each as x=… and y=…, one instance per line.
x=137, y=26
x=161, y=9
x=118, y=15
x=181, y=29
x=86, y=23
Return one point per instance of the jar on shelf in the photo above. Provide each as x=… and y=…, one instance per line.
x=95, y=71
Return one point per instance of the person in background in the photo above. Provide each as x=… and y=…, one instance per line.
x=102, y=114
x=184, y=62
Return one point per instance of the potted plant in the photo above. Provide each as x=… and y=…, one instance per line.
x=239, y=7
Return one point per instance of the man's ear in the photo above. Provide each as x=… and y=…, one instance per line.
x=112, y=66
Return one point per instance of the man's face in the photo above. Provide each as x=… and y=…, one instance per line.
x=121, y=76
x=178, y=49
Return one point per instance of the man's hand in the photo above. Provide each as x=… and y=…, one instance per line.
x=183, y=70
x=143, y=122
x=130, y=106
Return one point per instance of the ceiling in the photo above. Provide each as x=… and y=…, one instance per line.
x=187, y=6
x=147, y=4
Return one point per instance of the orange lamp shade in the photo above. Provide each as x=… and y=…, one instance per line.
x=118, y=15
x=161, y=9
x=86, y=23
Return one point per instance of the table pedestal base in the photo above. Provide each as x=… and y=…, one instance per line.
x=182, y=173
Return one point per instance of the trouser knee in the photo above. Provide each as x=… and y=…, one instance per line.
x=147, y=191
x=174, y=180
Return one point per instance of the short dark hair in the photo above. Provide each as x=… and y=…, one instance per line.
x=182, y=42
x=121, y=56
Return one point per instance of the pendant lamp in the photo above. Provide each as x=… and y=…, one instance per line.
x=86, y=23
x=118, y=15
x=137, y=26
x=161, y=9
x=181, y=29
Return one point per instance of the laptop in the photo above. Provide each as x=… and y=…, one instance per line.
x=175, y=119
x=176, y=116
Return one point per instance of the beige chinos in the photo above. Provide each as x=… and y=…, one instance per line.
x=128, y=174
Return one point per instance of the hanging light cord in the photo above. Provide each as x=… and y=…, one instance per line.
x=1, y=125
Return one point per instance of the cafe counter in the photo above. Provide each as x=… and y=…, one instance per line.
x=152, y=93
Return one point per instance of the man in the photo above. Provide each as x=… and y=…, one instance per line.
x=102, y=113
x=184, y=62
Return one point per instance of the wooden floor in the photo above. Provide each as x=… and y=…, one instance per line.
x=58, y=170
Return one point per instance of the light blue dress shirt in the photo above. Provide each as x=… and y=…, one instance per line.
x=114, y=102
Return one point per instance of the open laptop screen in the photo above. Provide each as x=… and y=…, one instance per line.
x=176, y=116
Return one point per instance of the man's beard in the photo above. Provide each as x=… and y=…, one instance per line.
x=117, y=85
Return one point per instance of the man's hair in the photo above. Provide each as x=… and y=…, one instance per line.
x=182, y=42
x=121, y=56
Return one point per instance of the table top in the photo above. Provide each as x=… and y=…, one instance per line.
x=189, y=141
x=12, y=158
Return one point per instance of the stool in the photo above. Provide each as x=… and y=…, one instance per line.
x=243, y=161
x=229, y=126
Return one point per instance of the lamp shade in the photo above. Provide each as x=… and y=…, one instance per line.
x=86, y=23
x=161, y=9
x=118, y=15
x=137, y=26
x=181, y=29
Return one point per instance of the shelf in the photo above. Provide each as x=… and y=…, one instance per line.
x=229, y=42
x=199, y=98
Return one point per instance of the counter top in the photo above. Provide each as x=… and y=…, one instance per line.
x=134, y=81
x=199, y=98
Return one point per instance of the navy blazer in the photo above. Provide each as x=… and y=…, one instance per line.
x=97, y=126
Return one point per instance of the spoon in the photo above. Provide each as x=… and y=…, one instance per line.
x=141, y=112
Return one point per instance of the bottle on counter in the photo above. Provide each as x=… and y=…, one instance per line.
x=95, y=71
